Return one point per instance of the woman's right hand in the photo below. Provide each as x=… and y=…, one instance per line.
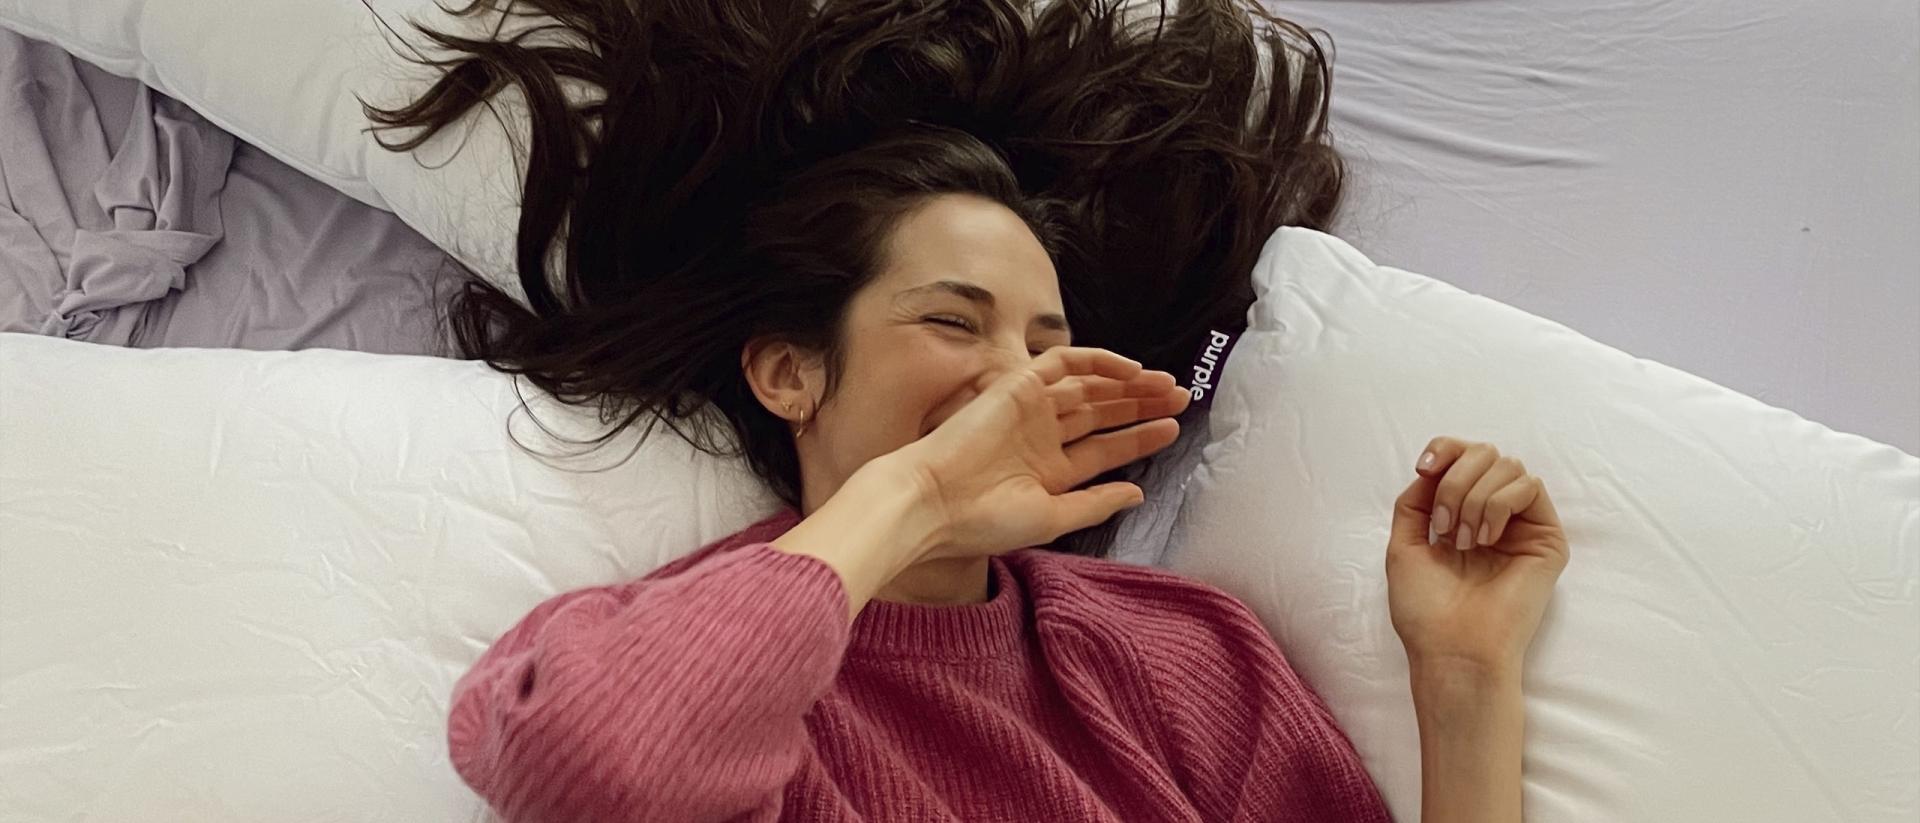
x=1000, y=473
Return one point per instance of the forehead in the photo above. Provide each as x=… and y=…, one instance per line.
x=961, y=237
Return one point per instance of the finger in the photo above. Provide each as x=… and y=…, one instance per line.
x=1178, y=398
x=1455, y=482
x=1060, y=361
x=1112, y=414
x=1092, y=455
x=1073, y=393
x=1444, y=450
x=1472, y=530
x=1412, y=512
x=1095, y=417
x=1499, y=510
x=1167, y=404
x=1022, y=387
x=1528, y=497
x=1073, y=390
x=1416, y=502
x=1089, y=507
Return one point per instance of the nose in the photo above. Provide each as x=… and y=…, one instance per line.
x=999, y=359
x=1007, y=355
x=995, y=360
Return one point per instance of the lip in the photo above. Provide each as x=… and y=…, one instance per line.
x=946, y=409
x=934, y=418
x=931, y=422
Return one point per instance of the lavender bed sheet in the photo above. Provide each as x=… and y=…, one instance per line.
x=127, y=219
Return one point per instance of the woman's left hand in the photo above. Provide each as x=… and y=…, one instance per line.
x=1480, y=606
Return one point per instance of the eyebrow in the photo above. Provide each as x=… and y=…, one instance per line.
x=976, y=294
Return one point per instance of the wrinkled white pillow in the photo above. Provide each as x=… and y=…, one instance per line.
x=240, y=585
x=1737, y=636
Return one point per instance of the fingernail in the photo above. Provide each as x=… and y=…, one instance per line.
x=1485, y=528
x=1441, y=519
x=1465, y=540
x=1426, y=460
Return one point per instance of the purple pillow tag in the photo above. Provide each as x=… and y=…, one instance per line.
x=1210, y=363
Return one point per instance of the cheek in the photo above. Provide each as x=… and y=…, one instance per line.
x=905, y=381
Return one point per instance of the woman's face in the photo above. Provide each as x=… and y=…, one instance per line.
x=964, y=288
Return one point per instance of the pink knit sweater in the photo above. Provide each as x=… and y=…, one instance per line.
x=729, y=685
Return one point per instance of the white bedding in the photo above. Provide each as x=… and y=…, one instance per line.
x=239, y=585
x=1734, y=638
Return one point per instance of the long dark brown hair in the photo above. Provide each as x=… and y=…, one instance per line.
x=736, y=165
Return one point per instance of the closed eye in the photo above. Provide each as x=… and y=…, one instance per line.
x=951, y=320
x=958, y=322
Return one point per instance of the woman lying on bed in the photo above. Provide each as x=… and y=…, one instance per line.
x=888, y=251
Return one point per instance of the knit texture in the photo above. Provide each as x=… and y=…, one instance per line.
x=729, y=686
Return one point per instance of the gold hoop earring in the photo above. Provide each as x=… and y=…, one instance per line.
x=803, y=426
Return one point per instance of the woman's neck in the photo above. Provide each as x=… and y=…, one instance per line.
x=949, y=581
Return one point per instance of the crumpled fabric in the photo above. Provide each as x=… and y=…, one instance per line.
x=93, y=229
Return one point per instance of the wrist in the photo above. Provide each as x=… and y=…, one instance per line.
x=1452, y=680
x=1472, y=763
x=1472, y=724
x=904, y=500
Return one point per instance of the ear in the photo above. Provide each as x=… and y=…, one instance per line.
x=787, y=379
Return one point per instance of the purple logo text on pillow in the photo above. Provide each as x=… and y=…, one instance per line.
x=1208, y=365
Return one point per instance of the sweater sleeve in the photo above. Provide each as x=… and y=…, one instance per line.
x=678, y=698
x=1255, y=742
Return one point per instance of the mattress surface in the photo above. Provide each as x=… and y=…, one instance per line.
x=1730, y=188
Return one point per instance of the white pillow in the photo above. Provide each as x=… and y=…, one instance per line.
x=240, y=585
x=1735, y=638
